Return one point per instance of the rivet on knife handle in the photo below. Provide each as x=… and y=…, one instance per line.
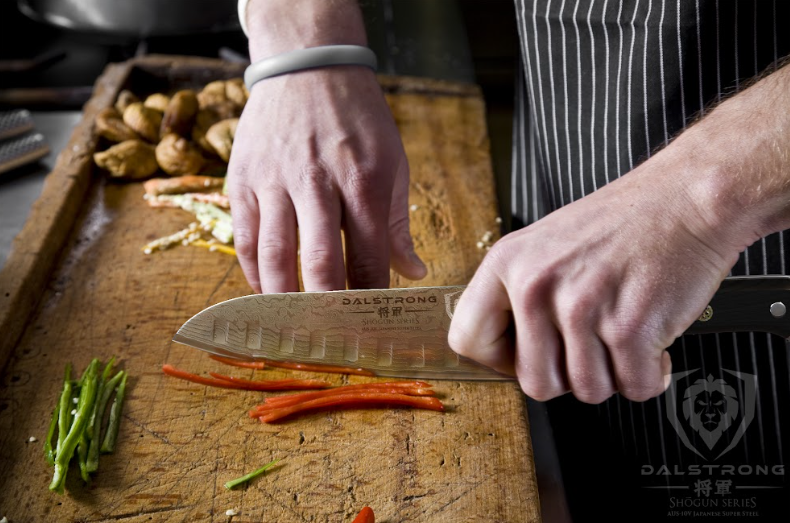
x=747, y=303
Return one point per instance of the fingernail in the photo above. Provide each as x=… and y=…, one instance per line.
x=418, y=262
x=666, y=369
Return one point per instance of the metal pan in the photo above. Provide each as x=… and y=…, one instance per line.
x=135, y=18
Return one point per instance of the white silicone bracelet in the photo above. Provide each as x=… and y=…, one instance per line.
x=309, y=58
x=243, y=15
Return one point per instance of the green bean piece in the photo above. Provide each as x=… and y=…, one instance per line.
x=254, y=474
x=84, y=408
x=102, y=381
x=82, y=454
x=101, y=406
x=65, y=410
x=108, y=445
x=53, y=423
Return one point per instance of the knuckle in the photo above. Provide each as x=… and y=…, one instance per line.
x=593, y=393
x=365, y=183
x=623, y=337
x=638, y=387
x=314, y=180
x=369, y=269
x=272, y=255
x=539, y=388
x=638, y=394
x=244, y=242
x=318, y=262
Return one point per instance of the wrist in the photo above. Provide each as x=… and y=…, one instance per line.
x=741, y=151
x=279, y=26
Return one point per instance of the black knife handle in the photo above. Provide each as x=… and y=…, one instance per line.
x=748, y=303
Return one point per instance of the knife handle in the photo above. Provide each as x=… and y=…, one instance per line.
x=748, y=303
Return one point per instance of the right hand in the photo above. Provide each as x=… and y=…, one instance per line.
x=320, y=149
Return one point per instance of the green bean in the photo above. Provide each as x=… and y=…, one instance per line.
x=108, y=445
x=101, y=405
x=64, y=417
x=102, y=381
x=84, y=409
x=254, y=474
x=53, y=423
x=82, y=455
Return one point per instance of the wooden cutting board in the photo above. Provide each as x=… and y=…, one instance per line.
x=100, y=296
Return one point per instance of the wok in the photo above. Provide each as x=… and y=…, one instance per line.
x=135, y=18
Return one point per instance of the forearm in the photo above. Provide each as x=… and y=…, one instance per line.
x=278, y=26
x=739, y=159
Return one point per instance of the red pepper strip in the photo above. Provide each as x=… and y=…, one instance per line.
x=401, y=386
x=365, y=516
x=259, y=365
x=272, y=385
x=318, y=368
x=211, y=382
x=290, y=399
x=260, y=410
x=360, y=399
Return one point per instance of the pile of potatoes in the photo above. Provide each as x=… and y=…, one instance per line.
x=187, y=133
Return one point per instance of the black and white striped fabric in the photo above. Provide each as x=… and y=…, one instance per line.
x=604, y=83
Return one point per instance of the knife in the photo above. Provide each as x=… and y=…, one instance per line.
x=402, y=333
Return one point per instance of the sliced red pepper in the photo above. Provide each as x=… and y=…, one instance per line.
x=273, y=385
x=408, y=388
x=184, y=375
x=366, y=399
x=365, y=516
x=226, y=382
x=318, y=368
x=258, y=365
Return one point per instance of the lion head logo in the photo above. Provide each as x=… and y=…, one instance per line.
x=451, y=302
x=706, y=408
x=710, y=406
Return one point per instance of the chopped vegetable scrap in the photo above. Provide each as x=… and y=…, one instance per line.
x=210, y=219
x=365, y=516
x=80, y=429
x=230, y=485
x=227, y=382
x=414, y=394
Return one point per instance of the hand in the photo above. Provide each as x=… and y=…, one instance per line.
x=320, y=149
x=599, y=288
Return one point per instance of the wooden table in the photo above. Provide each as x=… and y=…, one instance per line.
x=77, y=286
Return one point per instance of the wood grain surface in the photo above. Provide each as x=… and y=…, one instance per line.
x=100, y=296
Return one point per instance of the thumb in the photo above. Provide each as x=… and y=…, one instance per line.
x=403, y=257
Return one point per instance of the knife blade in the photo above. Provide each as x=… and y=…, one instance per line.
x=395, y=333
x=402, y=333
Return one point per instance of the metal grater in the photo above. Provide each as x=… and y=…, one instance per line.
x=14, y=123
x=22, y=150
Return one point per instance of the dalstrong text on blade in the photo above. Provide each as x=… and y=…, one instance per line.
x=387, y=300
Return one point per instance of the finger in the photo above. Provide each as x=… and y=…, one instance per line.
x=403, y=257
x=539, y=361
x=588, y=367
x=277, y=244
x=365, y=221
x=320, y=243
x=639, y=366
x=481, y=328
x=246, y=222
